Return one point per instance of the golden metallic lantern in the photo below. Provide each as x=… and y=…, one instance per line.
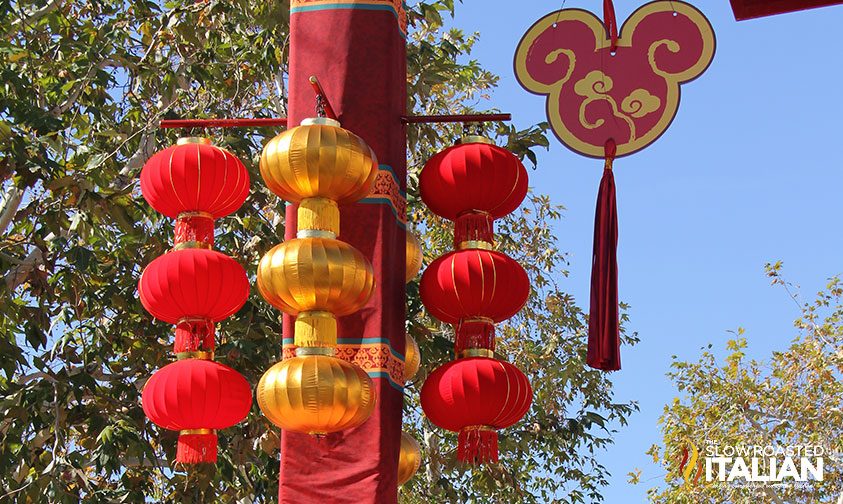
x=318, y=274
x=316, y=394
x=412, y=357
x=409, y=458
x=319, y=159
x=414, y=256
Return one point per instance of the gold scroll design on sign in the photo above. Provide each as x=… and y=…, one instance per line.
x=595, y=87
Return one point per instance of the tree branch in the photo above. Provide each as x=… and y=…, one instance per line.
x=11, y=203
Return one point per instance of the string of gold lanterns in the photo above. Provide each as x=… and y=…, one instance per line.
x=317, y=277
x=409, y=455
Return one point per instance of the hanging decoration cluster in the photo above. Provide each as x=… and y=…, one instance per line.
x=409, y=454
x=611, y=93
x=316, y=277
x=474, y=287
x=194, y=287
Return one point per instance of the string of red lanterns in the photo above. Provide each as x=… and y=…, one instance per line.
x=474, y=287
x=194, y=287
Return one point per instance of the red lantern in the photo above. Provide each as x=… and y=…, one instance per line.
x=193, y=288
x=196, y=397
x=474, y=284
x=196, y=283
x=194, y=176
x=476, y=396
x=473, y=176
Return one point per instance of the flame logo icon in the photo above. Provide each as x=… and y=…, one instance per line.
x=690, y=466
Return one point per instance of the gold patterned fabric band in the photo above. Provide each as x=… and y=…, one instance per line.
x=196, y=432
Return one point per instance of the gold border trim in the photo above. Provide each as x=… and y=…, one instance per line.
x=200, y=355
x=193, y=140
x=475, y=244
x=196, y=432
x=309, y=351
x=476, y=352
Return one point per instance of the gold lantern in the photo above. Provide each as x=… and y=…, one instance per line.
x=315, y=274
x=414, y=256
x=316, y=394
x=412, y=357
x=409, y=458
x=316, y=277
x=319, y=165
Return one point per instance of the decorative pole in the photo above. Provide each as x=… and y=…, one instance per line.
x=357, y=49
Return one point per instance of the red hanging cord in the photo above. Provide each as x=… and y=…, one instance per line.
x=603, y=319
x=611, y=23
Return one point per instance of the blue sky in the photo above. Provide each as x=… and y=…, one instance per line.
x=750, y=172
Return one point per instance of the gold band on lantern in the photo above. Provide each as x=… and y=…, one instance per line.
x=487, y=428
x=478, y=319
x=196, y=354
x=321, y=121
x=316, y=233
x=192, y=244
x=305, y=351
x=192, y=214
x=193, y=140
x=197, y=432
x=316, y=329
x=321, y=214
x=475, y=244
x=475, y=139
x=475, y=352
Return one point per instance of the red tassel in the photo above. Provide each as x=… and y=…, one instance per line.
x=603, y=320
x=197, y=449
x=194, y=227
x=474, y=334
x=473, y=226
x=194, y=335
x=477, y=446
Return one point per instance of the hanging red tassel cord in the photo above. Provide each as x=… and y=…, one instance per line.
x=197, y=448
x=477, y=445
x=603, y=321
x=611, y=23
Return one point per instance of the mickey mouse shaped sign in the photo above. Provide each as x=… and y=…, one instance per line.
x=610, y=94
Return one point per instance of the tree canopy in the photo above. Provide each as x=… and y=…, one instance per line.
x=794, y=398
x=84, y=85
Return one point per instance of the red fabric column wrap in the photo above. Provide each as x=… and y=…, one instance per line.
x=603, y=320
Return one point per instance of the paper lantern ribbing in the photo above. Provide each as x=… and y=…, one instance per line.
x=317, y=278
x=412, y=357
x=475, y=396
x=309, y=274
x=196, y=397
x=193, y=283
x=467, y=284
x=409, y=458
x=195, y=287
x=414, y=257
x=472, y=184
x=194, y=176
x=473, y=287
x=473, y=176
x=316, y=394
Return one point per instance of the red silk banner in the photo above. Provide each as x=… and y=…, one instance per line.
x=357, y=50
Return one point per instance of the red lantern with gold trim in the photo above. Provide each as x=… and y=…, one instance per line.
x=476, y=396
x=196, y=397
x=474, y=284
x=472, y=184
x=194, y=176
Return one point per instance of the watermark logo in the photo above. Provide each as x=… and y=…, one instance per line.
x=764, y=464
x=690, y=466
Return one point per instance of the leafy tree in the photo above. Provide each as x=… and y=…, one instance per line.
x=84, y=85
x=793, y=398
